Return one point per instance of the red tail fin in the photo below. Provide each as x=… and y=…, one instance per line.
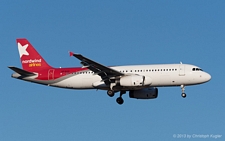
x=31, y=60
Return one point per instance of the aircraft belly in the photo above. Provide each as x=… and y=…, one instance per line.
x=78, y=82
x=165, y=80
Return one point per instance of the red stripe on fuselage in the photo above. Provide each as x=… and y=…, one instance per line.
x=55, y=73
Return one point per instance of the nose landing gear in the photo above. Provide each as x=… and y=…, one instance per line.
x=183, y=93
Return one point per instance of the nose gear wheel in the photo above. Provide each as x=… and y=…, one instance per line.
x=183, y=89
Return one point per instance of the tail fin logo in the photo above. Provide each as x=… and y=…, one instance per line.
x=31, y=60
x=23, y=49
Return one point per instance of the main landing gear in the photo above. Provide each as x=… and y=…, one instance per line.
x=110, y=93
x=119, y=100
x=183, y=93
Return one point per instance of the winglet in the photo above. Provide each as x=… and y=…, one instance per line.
x=71, y=53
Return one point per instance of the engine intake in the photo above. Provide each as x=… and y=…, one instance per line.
x=147, y=93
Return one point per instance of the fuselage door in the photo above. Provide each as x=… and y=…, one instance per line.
x=51, y=74
x=182, y=70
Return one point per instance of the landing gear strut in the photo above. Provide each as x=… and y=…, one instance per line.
x=183, y=93
x=120, y=100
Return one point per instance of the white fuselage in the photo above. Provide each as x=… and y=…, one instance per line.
x=161, y=75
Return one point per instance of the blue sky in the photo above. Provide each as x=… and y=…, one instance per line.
x=113, y=33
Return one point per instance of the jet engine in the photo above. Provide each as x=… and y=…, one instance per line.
x=147, y=93
x=135, y=80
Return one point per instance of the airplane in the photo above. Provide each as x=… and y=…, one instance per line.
x=141, y=81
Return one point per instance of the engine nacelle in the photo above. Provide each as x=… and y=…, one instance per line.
x=147, y=93
x=135, y=80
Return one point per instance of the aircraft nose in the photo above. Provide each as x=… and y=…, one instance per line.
x=207, y=77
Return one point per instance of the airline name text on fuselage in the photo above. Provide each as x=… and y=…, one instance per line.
x=31, y=61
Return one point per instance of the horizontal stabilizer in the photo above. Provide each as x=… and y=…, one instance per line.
x=21, y=71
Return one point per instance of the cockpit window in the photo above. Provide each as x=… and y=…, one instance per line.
x=197, y=69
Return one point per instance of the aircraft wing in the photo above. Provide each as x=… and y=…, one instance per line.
x=106, y=73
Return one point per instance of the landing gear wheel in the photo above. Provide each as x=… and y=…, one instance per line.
x=183, y=95
x=119, y=100
x=110, y=93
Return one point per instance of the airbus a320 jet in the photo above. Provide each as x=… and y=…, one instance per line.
x=140, y=81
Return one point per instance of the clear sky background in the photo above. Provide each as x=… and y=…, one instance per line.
x=113, y=33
